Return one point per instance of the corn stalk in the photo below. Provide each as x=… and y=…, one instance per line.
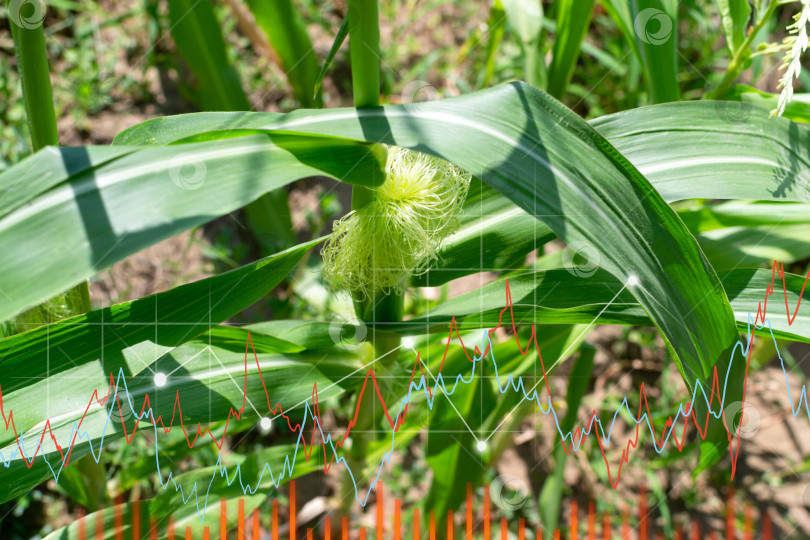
x=32, y=63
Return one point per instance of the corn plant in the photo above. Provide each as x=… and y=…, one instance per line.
x=440, y=191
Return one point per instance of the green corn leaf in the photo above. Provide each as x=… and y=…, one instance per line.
x=735, y=247
x=157, y=192
x=797, y=110
x=713, y=150
x=735, y=15
x=713, y=216
x=736, y=234
x=650, y=28
x=70, y=359
x=579, y=294
x=494, y=234
x=676, y=146
x=553, y=165
x=50, y=167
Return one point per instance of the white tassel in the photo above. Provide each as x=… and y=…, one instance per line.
x=796, y=44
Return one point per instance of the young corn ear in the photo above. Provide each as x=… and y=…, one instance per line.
x=377, y=247
x=796, y=44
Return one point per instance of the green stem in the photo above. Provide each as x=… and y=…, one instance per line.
x=364, y=46
x=32, y=66
x=737, y=62
x=364, y=43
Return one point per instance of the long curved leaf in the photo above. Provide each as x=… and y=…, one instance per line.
x=560, y=296
x=553, y=165
x=287, y=33
x=694, y=149
x=713, y=150
x=51, y=372
x=494, y=235
x=92, y=216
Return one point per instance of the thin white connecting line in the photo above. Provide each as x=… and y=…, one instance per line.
x=242, y=390
x=631, y=281
x=206, y=348
x=361, y=368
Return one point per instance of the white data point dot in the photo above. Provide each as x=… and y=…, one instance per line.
x=160, y=379
x=407, y=343
x=481, y=446
x=632, y=281
x=265, y=424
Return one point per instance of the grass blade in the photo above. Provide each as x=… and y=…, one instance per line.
x=343, y=31
x=735, y=15
x=198, y=39
x=573, y=19
x=650, y=29
x=288, y=36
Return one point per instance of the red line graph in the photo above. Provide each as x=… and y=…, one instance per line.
x=370, y=377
